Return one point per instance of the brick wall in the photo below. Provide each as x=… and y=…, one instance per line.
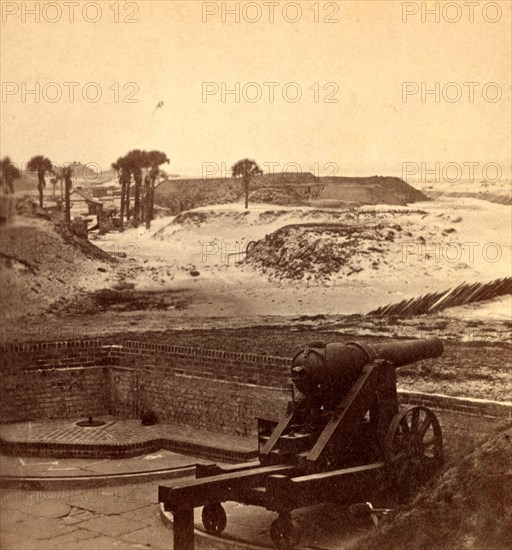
x=53, y=380
x=216, y=390
x=211, y=389
x=213, y=404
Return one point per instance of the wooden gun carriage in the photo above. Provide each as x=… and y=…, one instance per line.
x=343, y=440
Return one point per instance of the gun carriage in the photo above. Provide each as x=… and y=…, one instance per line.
x=343, y=440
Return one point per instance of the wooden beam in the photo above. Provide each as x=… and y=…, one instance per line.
x=347, y=415
x=217, y=488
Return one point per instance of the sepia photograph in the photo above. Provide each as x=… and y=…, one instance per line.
x=256, y=275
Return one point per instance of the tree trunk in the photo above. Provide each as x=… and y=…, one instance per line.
x=136, y=201
x=246, y=193
x=128, y=185
x=68, y=202
x=147, y=205
x=121, y=208
x=40, y=189
x=152, y=200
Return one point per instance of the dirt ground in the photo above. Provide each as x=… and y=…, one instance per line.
x=193, y=265
x=468, y=507
x=478, y=367
x=185, y=280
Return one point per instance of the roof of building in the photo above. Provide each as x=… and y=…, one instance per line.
x=85, y=196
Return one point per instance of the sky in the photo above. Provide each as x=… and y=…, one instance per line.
x=360, y=68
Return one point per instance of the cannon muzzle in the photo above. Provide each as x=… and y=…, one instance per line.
x=330, y=369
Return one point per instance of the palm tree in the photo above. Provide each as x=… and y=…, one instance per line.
x=67, y=174
x=64, y=174
x=8, y=174
x=145, y=168
x=41, y=165
x=246, y=169
x=136, y=160
x=154, y=160
x=121, y=166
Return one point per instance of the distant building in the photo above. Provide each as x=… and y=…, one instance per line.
x=83, y=204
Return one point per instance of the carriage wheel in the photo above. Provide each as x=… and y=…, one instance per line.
x=284, y=532
x=214, y=518
x=413, y=447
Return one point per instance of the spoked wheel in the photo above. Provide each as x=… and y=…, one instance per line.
x=214, y=518
x=413, y=447
x=285, y=533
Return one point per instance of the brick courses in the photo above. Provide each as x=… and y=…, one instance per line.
x=209, y=389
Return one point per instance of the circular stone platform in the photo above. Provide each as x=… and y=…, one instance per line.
x=119, y=438
x=324, y=527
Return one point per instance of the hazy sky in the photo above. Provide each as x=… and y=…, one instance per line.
x=171, y=52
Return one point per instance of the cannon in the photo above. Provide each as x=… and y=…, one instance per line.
x=343, y=439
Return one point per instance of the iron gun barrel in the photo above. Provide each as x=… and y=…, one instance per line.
x=331, y=369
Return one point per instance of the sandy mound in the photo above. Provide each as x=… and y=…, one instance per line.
x=446, y=243
x=43, y=262
x=288, y=189
x=372, y=190
x=318, y=251
x=498, y=192
x=469, y=507
x=354, y=241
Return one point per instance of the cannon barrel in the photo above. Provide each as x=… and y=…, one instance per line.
x=331, y=369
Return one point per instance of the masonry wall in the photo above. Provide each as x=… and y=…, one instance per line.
x=212, y=389
x=53, y=380
x=216, y=405
x=216, y=390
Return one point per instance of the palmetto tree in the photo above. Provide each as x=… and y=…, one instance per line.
x=67, y=175
x=136, y=161
x=122, y=167
x=8, y=174
x=246, y=169
x=154, y=160
x=64, y=175
x=41, y=165
x=145, y=168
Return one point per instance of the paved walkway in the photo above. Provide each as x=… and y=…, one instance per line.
x=128, y=516
x=74, y=467
x=109, y=518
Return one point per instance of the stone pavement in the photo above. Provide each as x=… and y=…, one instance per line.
x=121, y=517
x=22, y=467
x=323, y=527
x=126, y=517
